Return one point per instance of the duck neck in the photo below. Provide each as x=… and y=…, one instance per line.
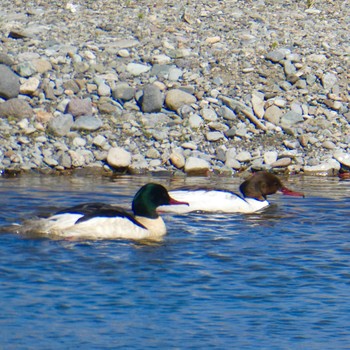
x=156, y=226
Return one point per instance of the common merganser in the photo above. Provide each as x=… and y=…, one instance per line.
x=254, y=191
x=104, y=221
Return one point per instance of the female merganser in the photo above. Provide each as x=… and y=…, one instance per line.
x=254, y=191
x=104, y=221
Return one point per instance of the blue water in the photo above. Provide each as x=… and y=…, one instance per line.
x=279, y=279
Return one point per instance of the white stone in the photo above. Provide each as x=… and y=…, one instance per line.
x=244, y=156
x=161, y=59
x=137, y=69
x=196, y=165
x=118, y=157
x=342, y=157
x=195, y=121
x=270, y=157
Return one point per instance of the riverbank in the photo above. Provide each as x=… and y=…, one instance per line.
x=216, y=87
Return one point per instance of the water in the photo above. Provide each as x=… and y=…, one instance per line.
x=273, y=280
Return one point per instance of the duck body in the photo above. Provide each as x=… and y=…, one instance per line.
x=254, y=196
x=103, y=221
x=212, y=200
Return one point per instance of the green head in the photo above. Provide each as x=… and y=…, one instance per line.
x=149, y=197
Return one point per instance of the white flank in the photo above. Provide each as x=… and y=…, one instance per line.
x=212, y=201
x=63, y=225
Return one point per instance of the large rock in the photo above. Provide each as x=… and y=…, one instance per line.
x=118, y=158
x=9, y=83
x=196, y=166
x=326, y=168
x=177, y=98
x=16, y=108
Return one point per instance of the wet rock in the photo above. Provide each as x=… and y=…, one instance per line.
x=9, y=83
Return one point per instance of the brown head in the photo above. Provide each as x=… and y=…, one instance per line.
x=262, y=184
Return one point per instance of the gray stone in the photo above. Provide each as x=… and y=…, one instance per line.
x=123, y=91
x=273, y=114
x=9, y=83
x=175, y=74
x=277, y=55
x=214, y=136
x=26, y=69
x=87, y=122
x=329, y=80
x=61, y=125
x=195, y=121
x=227, y=113
x=209, y=114
x=289, y=68
x=290, y=119
x=152, y=99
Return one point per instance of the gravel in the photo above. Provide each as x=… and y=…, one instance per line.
x=181, y=87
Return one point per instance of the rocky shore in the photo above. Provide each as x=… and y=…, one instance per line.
x=186, y=87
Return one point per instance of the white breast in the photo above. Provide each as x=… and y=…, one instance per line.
x=212, y=201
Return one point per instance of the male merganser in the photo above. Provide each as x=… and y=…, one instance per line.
x=254, y=191
x=104, y=221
